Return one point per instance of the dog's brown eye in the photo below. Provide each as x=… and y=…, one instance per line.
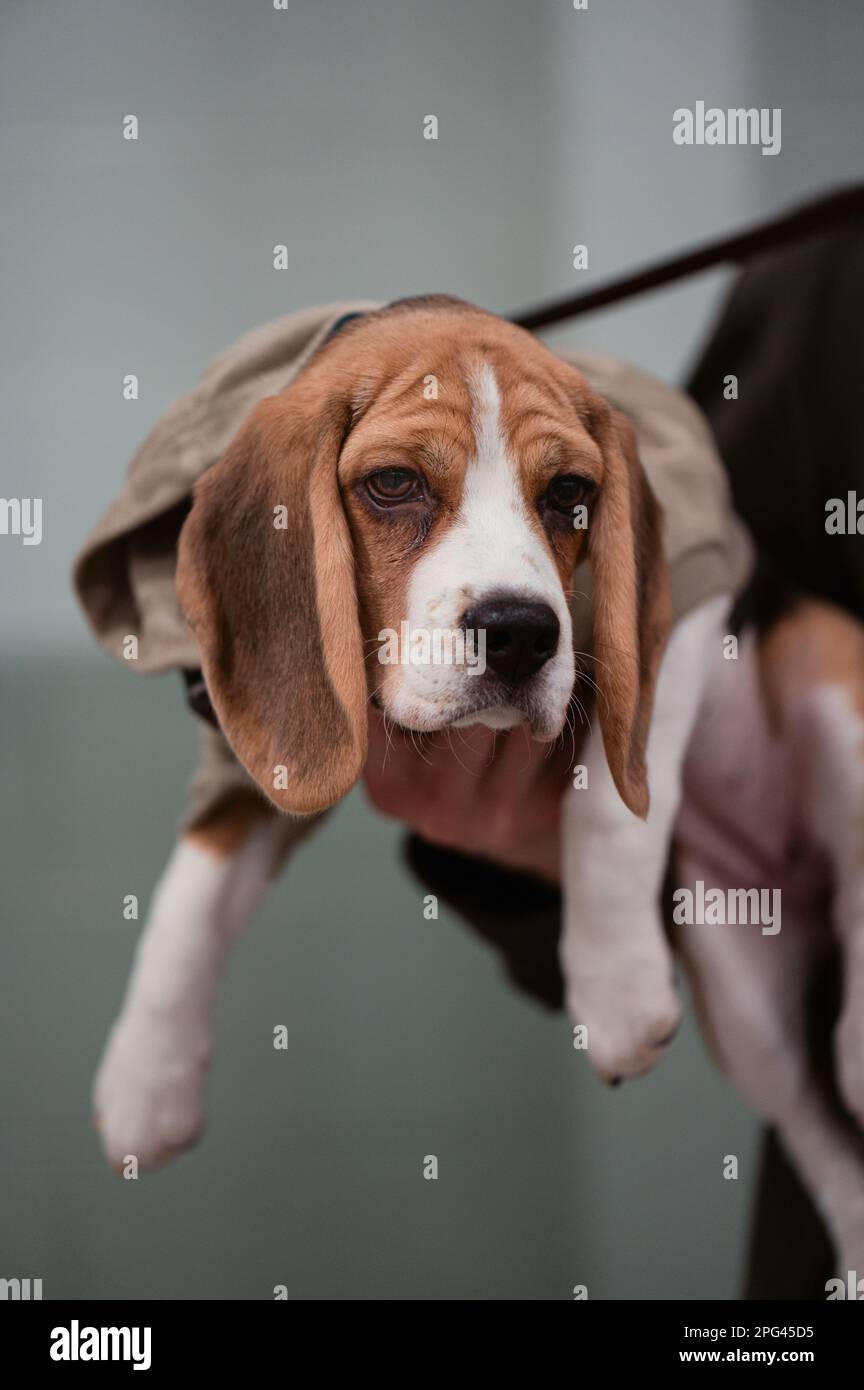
x=566, y=492
x=393, y=485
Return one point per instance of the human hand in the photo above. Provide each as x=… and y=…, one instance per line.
x=496, y=796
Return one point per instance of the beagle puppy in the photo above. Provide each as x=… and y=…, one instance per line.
x=350, y=503
x=425, y=467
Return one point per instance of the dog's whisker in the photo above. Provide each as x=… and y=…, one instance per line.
x=455, y=754
x=491, y=757
x=590, y=656
x=417, y=745
x=589, y=681
x=371, y=696
x=571, y=730
x=526, y=734
x=389, y=737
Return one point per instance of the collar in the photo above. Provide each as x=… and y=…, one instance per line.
x=341, y=322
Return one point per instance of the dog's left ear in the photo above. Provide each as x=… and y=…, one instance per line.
x=632, y=606
x=265, y=578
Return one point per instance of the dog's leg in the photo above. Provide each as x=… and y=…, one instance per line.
x=751, y=992
x=617, y=966
x=148, y=1093
x=814, y=666
x=760, y=778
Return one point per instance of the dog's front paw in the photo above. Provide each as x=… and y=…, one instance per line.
x=630, y=1015
x=148, y=1092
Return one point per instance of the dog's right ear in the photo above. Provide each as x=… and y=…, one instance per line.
x=265, y=578
x=632, y=605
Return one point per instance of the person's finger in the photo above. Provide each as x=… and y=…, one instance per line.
x=453, y=785
x=434, y=786
x=519, y=801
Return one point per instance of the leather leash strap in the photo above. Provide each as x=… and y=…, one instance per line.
x=830, y=210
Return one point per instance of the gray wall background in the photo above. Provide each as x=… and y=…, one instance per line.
x=305, y=127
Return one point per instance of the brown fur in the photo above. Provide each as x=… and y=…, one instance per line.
x=275, y=611
x=226, y=828
x=632, y=607
x=813, y=644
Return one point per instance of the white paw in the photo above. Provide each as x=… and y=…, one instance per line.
x=148, y=1092
x=631, y=1013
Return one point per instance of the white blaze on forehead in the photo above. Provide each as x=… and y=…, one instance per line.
x=491, y=454
x=491, y=544
x=492, y=505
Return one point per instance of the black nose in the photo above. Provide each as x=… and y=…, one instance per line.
x=521, y=635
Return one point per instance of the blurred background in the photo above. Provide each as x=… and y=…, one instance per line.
x=305, y=127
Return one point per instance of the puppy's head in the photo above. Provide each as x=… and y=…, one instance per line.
x=429, y=482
